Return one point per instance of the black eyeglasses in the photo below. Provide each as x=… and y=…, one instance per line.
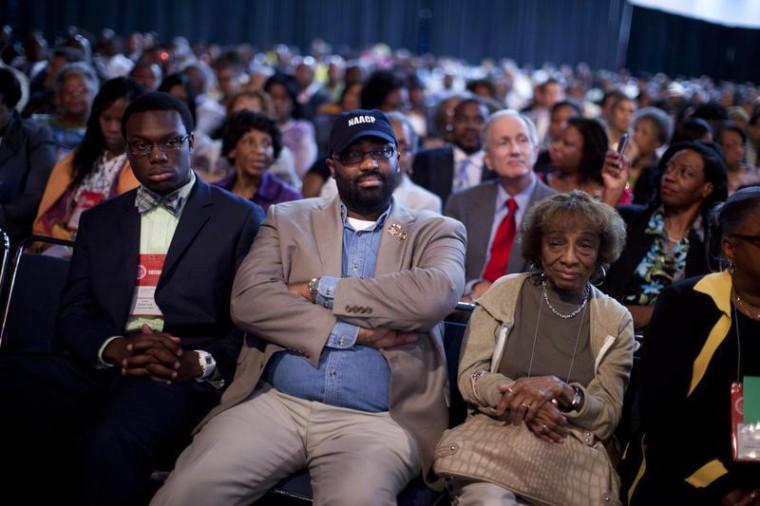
x=354, y=156
x=752, y=239
x=144, y=148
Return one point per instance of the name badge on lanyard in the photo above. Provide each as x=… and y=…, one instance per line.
x=745, y=419
x=148, y=273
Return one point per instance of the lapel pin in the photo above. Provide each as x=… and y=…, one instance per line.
x=395, y=230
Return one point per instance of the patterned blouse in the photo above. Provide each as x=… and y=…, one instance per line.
x=660, y=267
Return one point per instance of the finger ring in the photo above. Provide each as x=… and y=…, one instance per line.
x=525, y=405
x=544, y=427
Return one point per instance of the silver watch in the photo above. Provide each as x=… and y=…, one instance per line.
x=207, y=363
x=314, y=289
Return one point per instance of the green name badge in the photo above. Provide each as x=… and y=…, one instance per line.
x=751, y=399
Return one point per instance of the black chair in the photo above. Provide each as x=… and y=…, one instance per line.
x=34, y=294
x=296, y=489
x=6, y=245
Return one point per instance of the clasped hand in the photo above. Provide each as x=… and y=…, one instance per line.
x=534, y=401
x=156, y=355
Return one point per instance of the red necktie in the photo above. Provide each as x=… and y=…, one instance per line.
x=502, y=245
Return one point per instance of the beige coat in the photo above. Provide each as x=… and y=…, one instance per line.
x=419, y=277
x=612, y=345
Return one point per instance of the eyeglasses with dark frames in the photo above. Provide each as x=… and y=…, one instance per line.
x=354, y=156
x=144, y=148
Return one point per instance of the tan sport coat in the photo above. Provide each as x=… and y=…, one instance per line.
x=419, y=277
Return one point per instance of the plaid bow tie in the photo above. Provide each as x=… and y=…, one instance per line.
x=146, y=201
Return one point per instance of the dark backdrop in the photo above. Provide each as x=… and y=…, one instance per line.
x=529, y=31
x=689, y=47
x=603, y=33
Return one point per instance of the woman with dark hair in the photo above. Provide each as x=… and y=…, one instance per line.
x=179, y=85
x=701, y=347
x=666, y=240
x=96, y=170
x=544, y=365
x=733, y=141
x=578, y=158
x=297, y=134
x=252, y=142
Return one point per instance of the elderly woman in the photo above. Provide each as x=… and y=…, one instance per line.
x=702, y=342
x=545, y=363
x=75, y=88
x=251, y=143
x=666, y=240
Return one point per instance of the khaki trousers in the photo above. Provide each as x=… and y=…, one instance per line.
x=354, y=458
x=480, y=493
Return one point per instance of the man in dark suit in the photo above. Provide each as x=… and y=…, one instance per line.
x=453, y=168
x=26, y=159
x=492, y=211
x=144, y=358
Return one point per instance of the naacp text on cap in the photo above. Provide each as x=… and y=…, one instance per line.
x=358, y=120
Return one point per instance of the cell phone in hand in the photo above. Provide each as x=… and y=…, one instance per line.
x=623, y=143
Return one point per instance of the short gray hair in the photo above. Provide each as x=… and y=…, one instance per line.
x=411, y=136
x=509, y=113
x=662, y=122
x=82, y=69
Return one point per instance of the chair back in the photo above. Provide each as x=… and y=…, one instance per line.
x=36, y=284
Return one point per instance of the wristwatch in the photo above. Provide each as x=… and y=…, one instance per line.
x=575, y=404
x=314, y=289
x=207, y=363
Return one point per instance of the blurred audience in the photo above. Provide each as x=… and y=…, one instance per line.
x=96, y=170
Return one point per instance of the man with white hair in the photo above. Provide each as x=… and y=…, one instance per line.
x=492, y=211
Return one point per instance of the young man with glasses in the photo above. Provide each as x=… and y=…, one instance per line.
x=343, y=370
x=144, y=323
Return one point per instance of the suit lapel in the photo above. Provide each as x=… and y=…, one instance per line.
x=479, y=229
x=444, y=174
x=123, y=254
x=516, y=261
x=328, y=231
x=197, y=212
x=12, y=141
x=394, y=241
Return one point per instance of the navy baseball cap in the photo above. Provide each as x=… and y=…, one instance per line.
x=350, y=126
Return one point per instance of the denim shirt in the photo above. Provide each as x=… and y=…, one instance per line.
x=349, y=375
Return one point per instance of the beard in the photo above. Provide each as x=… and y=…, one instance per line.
x=367, y=201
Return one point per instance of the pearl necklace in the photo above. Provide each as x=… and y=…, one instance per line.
x=573, y=314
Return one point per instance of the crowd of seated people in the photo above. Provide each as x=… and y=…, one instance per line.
x=393, y=186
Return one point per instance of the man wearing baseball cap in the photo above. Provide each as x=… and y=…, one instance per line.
x=343, y=370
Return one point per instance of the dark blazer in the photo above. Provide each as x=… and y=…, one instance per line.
x=215, y=231
x=685, y=406
x=433, y=169
x=475, y=208
x=637, y=245
x=26, y=158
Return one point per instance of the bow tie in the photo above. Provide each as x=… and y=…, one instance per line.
x=146, y=201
